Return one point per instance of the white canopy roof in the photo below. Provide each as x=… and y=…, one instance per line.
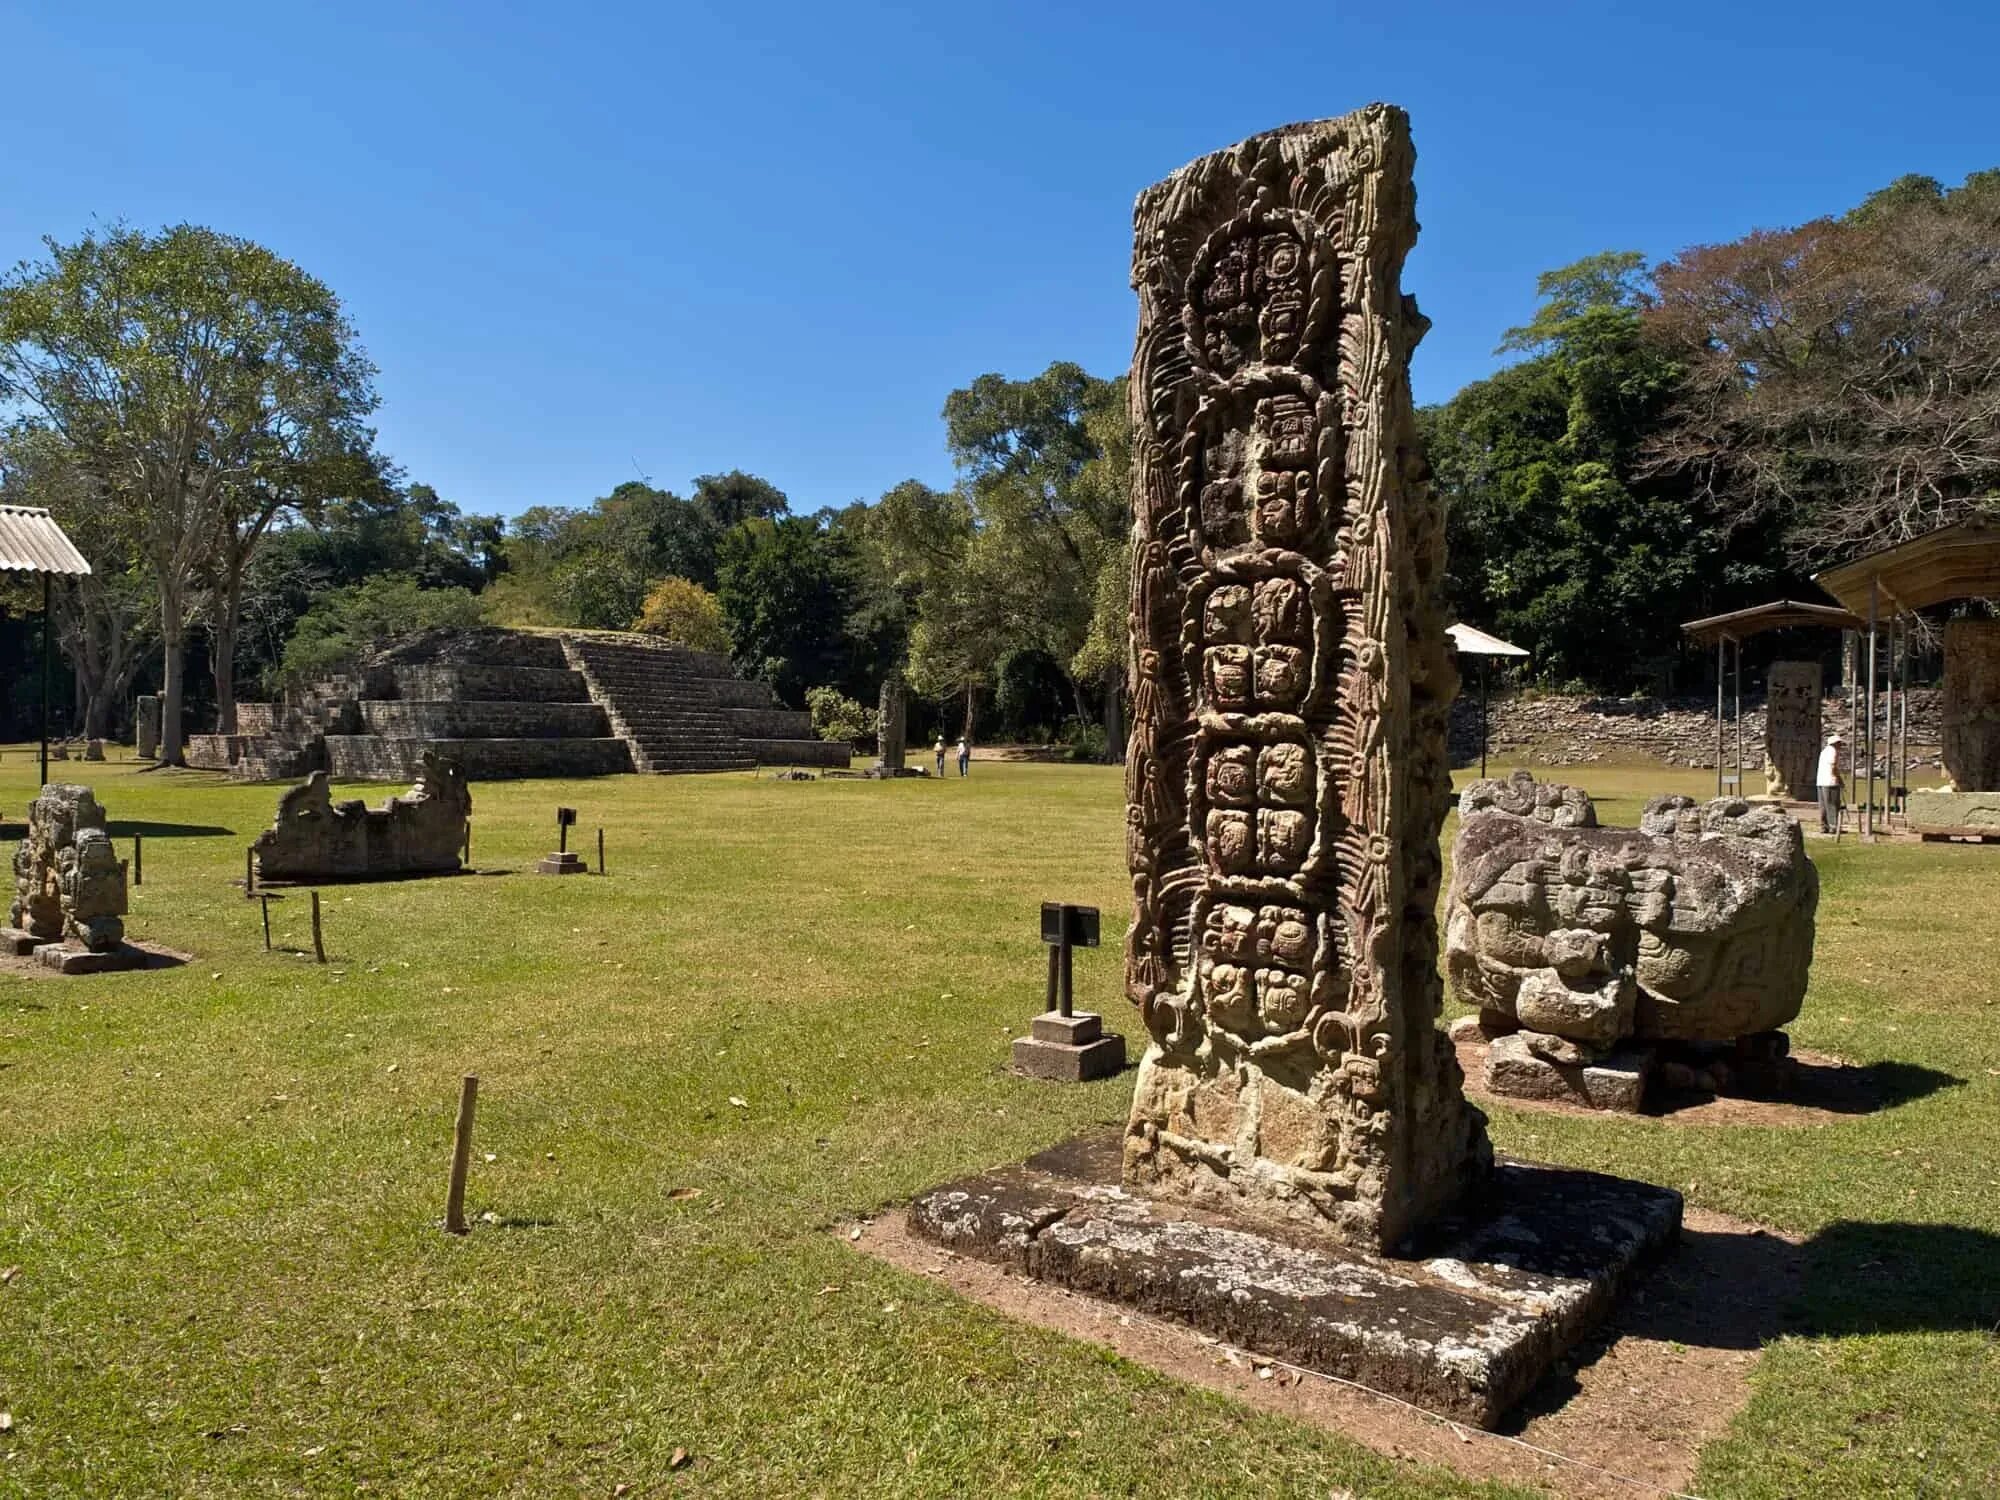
x=1471, y=642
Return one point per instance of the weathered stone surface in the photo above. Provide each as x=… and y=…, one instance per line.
x=891, y=724
x=1792, y=736
x=67, y=959
x=69, y=884
x=1465, y=1322
x=419, y=832
x=1548, y=802
x=1520, y=1068
x=1972, y=705
x=146, y=719
x=1286, y=774
x=1070, y=1062
x=1704, y=913
x=1940, y=814
x=1073, y=1030
x=562, y=862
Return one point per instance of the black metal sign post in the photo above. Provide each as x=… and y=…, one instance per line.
x=1064, y=1044
x=562, y=862
x=1065, y=928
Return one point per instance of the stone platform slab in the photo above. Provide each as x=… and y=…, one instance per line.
x=1465, y=1323
x=67, y=960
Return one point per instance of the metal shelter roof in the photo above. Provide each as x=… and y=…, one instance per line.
x=1960, y=561
x=31, y=542
x=1474, y=642
x=1777, y=615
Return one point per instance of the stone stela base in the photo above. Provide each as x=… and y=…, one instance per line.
x=67, y=960
x=1069, y=1049
x=566, y=862
x=1481, y=1306
x=19, y=942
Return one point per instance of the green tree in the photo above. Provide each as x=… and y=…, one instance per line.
x=195, y=378
x=784, y=595
x=341, y=627
x=686, y=614
x=1561, y=537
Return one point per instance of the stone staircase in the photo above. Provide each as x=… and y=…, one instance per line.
x=683, y=710
x=514, y=703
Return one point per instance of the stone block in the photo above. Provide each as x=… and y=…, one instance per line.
x=1616, y=1081
x=19, y=942
x=1463, y=1320
x=563, y=862
x=1072, y=1030
x=65, y=959
x=1062, y=1062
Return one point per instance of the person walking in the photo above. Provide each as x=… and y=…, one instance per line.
x=1829, y=784
x=964, y=755
x=940, y=756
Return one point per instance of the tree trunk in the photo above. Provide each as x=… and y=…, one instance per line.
x=94, y=708
x=226, y=607
x=1114, y=718
x=173, y=644
x=971, y=696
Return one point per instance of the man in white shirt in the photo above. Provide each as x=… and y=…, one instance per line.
x=1829, y=785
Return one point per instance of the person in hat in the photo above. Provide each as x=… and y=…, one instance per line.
x=1830, y=772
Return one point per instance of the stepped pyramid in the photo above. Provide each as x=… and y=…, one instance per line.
x=514, y=703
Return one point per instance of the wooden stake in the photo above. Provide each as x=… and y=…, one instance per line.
x=600, y=851
x=468, y=843
x=461, y=1155
x=249, y=872
x=138, y=859
x=319, y=944
x=265, y=902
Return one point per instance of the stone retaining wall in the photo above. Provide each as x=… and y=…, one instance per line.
x=478, y=720
x=1560, y=730
x=382, y=758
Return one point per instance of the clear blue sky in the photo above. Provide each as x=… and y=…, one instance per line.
x=773, y=236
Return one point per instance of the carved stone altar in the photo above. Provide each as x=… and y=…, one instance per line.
x=1300, y=1169
x=1577, y=941
x=421, y=832
x=1791, y=730
x=69, y=886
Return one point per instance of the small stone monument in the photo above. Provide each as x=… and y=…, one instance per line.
x=1286, y=782
x=69, y=887
x=891, y=719
x=146, y=721
x=1063, y=1043
x=1791, y=730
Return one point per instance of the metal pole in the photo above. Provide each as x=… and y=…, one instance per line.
x=1903, y=735
x=1067, y=996
x=1739, y=718
x=1055, y=969
x=1482, y=717
x=48, y=641
x=1721, y=681
x=1854, y=724
x=1889, y=730
x=1868, y=807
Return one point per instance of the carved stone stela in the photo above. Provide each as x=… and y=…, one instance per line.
x=1972, y=704
x=1286, y=776
x=1791, y=730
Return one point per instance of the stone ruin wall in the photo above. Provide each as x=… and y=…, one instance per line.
x=1568, y=729
x=1285, y=777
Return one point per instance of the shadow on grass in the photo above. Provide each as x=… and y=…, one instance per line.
x=274, y=884
x=1739, y=1289
x=1836, y=1088
x=120, y=828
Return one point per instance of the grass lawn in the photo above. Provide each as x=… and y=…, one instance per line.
x=222, y=1183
